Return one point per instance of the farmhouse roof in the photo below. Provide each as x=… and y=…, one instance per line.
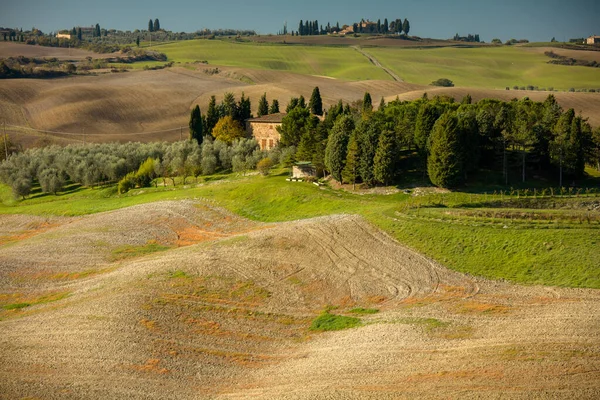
x=271, y=118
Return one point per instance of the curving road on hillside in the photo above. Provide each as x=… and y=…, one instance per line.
x=375, y=62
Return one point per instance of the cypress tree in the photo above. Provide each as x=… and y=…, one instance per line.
x=444, y=164
x=245, y=108
x=79, y=34
x=406, y=26
x=367, y=106
x=316, y=104
x=212, y=116
x=368, y=140
x=350, y=172
x=196, y=125
x=97, y=32
x=337, y=143
x=301, y=28
x=263, y=105
x=386, y=26
x=381, y=104
x=156, y=26
x=150, y=26
x=384, y=162
x=274, y=107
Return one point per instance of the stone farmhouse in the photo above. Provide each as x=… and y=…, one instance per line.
x=264, y=130
x=593, y=40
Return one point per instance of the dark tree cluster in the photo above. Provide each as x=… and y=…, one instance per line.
x=447, y=141
x=154, y=26
x=239, y=111
x=468, y=38
x=397, y=26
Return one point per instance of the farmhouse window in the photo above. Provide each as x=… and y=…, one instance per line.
x=263, y=144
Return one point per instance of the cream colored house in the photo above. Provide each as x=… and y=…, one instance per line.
x=593, y=40
x=264, y=130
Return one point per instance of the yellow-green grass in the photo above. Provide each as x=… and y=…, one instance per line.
x=336, y=62
x=534, y=253
x=485, y=67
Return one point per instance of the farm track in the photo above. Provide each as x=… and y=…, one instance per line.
x=223, y=313
x=375, y=62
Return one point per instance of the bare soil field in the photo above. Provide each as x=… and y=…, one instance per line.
x=8, y=49
x=183, y=300
x=587, y=104
x=152, y=105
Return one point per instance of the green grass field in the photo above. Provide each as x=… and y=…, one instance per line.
x=481, y=67
x=485, y=67
x=527, y=249
x=336, y=62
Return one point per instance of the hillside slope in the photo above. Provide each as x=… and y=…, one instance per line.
x=183, y=300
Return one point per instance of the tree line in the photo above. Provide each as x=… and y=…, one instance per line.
x=309, y=28
x=443, y=140
x=131, y=164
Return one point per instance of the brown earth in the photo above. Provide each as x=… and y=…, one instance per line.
x=155, y=105
x=226, y=314
x=8, y=49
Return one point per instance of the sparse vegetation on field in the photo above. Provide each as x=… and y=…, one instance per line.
x=333, y=322
x=360, y=310
x=127, y=251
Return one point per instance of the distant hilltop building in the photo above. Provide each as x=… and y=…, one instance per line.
x=63, y=35
x=593, y=40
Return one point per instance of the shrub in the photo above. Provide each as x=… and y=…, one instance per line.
x=127, y=183
x=442, y=82
x=331, y=322
x=264, y=166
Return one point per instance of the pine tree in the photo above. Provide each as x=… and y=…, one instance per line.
x=274, y=107
x=212, y=116
x=316, y=104
x=444, y=164
x=150, y=26
x=196, y=125
x=336, y=150
x=367, y=106
x=350, y=172
x=263, y=105
x=156, y=26
x=384, y=162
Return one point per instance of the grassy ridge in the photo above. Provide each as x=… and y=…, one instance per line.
x=485, y=67
x=563, y=254
x=482, y=67
x=336, y=62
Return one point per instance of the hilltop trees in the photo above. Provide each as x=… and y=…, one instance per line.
x=150, y=26
x=156, y=26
